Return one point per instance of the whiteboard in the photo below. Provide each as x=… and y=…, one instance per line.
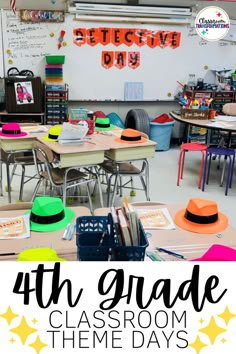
x=27, y=44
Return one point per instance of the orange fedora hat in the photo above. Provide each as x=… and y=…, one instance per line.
x=201, y=216
x=131, y=136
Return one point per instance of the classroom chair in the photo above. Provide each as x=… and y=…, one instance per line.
x=191, y=147
x=22, y=159
x=63, y=178
x=229, y=155
x=127, y=170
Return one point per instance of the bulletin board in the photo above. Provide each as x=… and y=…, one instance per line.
x=155, y=77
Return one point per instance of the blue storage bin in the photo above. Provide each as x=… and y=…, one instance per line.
x=161, y=134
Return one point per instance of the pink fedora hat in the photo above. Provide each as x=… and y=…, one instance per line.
x=12, y=130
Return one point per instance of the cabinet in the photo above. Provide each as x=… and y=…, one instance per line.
x=56, y=104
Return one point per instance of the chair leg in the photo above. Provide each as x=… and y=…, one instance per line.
x=204, y=179
x=201, y=169
x=232, y=171
x=180, y=162
x=89, y=198
x=22, y=182
x=229, y=173
x=37, y=188
x=114, y=191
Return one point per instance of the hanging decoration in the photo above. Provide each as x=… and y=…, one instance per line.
x=13, y=5
x=60, y=39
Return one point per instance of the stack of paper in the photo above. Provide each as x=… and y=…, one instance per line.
x=72, y=134
x=156, y=218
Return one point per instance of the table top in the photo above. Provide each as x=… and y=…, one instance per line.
x=9, y=249
x=216, y=124
x=191, y=245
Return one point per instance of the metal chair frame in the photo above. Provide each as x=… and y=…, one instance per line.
x=120, y=169
x=63, y=178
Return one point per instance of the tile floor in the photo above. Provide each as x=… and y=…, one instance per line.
x=163, y=188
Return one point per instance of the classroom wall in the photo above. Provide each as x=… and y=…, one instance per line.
x=153, y=108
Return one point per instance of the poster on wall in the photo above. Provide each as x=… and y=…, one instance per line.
x=24, y=92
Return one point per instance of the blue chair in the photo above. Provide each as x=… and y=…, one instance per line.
x=229, y=155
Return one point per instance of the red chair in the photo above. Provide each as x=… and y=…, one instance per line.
x=191, y=147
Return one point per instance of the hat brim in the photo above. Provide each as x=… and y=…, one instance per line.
x=100, y=128
x=45, y=137
x=13, y=135
x=119, y=140
x=69, y=216
x=218, y=226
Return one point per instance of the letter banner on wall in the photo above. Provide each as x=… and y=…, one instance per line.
x=106, y=307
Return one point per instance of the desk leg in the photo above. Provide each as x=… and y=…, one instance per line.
x=8, y=176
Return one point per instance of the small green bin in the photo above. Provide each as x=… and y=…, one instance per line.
x=55, y=59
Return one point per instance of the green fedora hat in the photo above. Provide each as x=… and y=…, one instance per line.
x=49, y=214
x=53, y=133
x=103, y=124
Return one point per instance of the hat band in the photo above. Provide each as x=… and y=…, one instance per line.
x=130, y=138
x=210, y=219
x=51, y=136
x=47, y=219
x=100, y=125
x=4, y=131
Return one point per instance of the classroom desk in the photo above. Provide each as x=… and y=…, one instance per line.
x=123, y=151
x=90, y=153
x=189, y=244
x=229, y=127
x=65, y=249
x=13, y=145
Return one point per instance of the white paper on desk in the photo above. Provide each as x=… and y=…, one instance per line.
x=73, y=132
x=17, y=227
x=223, y=125
x=71, y=142
x=226, y=118
x=156, y=218
x=35, y=129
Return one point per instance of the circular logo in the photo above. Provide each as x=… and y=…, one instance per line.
x=212, y=23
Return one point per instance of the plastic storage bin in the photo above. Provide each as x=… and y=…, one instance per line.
x=96, y=240
x=161, y=134
x=92, y=238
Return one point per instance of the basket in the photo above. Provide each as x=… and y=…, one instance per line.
x=55, y=59
x=127, y=253
x=79, y=114
x=188, y=113
x=96, y=240
x=92, y=238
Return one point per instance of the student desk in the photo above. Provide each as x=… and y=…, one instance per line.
x=90, y=153
x=189, y=244
x=64, y=248
x=124, y=151
x=14, y=145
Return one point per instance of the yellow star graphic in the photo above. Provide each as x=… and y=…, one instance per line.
x=9, y=315
x=23, y=330
x=198, y=345
x=38, y=345
x=12, y=340
x=201, y=321
x=223, y=340
x=227, y=315
x=212, y=330
x=34, y=321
